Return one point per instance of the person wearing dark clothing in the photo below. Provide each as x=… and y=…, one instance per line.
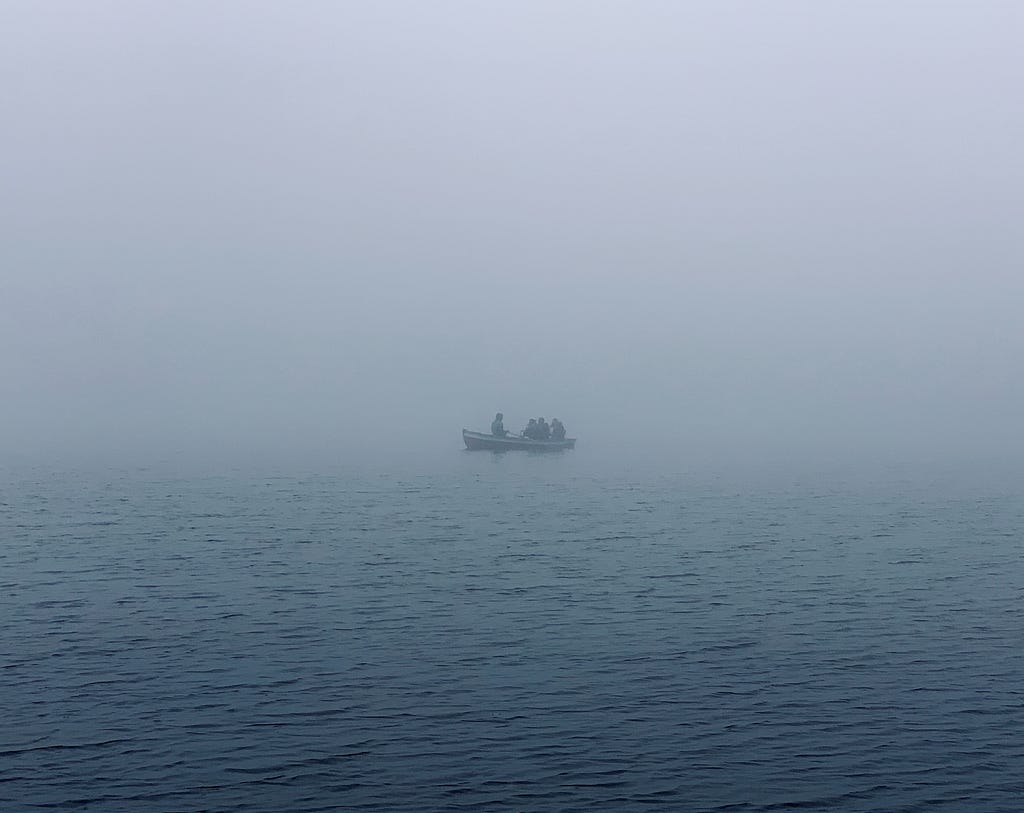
x=498, y=426
x=543, y=430
x=557, y=429
x=531, y=429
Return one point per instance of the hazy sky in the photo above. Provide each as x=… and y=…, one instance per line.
x=328, y=228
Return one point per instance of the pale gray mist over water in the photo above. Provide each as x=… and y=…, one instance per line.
x=335, y=231
x=261, y=262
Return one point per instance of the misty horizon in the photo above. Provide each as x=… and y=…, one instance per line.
x=344, y=232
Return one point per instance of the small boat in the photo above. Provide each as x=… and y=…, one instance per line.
x=496, y=443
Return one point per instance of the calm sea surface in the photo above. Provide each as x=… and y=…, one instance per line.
x=514, y=633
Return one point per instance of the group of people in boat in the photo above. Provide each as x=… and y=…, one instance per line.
x=536, y=429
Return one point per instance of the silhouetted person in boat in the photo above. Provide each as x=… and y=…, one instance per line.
x=557, y=429
x=543, y=430
x=531, y=430
x=498, y=426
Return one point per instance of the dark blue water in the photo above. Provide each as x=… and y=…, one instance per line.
x=514, y=633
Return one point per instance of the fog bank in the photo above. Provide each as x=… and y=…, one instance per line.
x=252, y=231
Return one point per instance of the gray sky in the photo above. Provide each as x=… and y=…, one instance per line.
x=285, y=229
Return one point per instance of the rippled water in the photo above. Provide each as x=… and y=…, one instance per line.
x=513, y=634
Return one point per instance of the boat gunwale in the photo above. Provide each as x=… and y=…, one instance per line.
x=516, y=442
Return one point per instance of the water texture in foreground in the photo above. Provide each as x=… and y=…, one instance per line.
x=513, y=634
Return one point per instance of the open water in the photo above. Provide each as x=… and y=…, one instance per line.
x=515, y=633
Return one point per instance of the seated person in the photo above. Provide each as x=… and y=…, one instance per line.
x=498, y=426
x=531, y=429
x=543, y=430
x=557, y=429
